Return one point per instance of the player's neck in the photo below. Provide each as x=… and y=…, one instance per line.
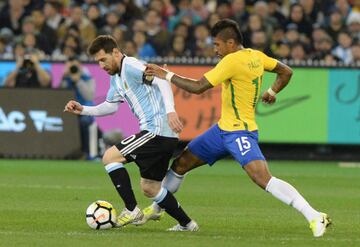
x=121, y=59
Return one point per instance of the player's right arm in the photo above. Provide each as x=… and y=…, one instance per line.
x=103, y=109
x=283, y=72
x=188, y=84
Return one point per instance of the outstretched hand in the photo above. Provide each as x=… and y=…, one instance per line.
x=267, y=98
x=174, y=122
x=73, y=107
x=155, y=70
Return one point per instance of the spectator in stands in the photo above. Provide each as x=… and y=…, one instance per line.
x=323, y=48
x=355, y=52
x=156, y=35
x=19, y=50
x=138, y=25
x=12, y=14
x=311, y=11
x=52, y=10
x=165, y=7
x=199, y=8
x=178, y=47
x=292, y=34
x=317, y=35
x=275, y=12
x=261, y=8
x=130, y=49
x=46, y=36
x=29, y=41
x=70, y=47
x=131, y=11
x=94, y=15
x=254, y=24
x=144, y=49
x=213, y=18
x=283, y=50
x=298, y=52
x=277, y=36
x=28, y=73
x=78, y=19
x=353, y=25
x=330, y=60
x=6, y=40
x=202, y=46
x=182, y=29
x=343, y=49
x=239, y=12
x=335, y=25
x=77, y=78
x=259, y=41
x=112, y=21
x=185, y=13
x=343, y=7
x=30, y=37
x=224, y=9
x=297, y=16
x=118, y=34
x=5, y=50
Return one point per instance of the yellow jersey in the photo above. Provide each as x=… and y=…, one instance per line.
x=241, y=76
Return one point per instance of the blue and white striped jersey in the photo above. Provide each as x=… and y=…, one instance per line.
x=145, y=101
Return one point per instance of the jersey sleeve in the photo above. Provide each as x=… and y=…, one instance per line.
x=134, y=70
x=222, y=72
x=166, y=93
x=112, y=95
x=268, y=62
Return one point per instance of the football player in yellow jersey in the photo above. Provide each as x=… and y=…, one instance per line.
x=240, y=72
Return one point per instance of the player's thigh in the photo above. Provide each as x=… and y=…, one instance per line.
x=112, y=155
x=209, y=146
x=125, y=150
x=185, y=162
x=243, y=146
x=153, y=158
x=259, y=172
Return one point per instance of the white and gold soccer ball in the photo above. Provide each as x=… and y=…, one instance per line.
x=101, y=215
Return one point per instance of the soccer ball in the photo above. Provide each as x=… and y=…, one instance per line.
x=101, y=215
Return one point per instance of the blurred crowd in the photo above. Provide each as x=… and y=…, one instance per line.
x=298, y=30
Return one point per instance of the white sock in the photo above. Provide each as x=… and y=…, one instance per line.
x=172, y=181
x=289, y=195
x=158, y=198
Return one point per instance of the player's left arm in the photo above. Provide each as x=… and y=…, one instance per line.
x=284, y=74
x=188, y=84
x=168, y=98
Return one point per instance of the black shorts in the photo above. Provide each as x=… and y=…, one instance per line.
x=150, y=152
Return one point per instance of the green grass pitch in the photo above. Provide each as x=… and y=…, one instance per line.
x=43, y=204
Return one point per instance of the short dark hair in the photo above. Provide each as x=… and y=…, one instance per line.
x=102, y=42
x=227, y=29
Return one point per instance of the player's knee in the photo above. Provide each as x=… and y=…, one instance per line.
x=148, y=190
x=108, y=157
x=260, y=179
x=113, y=155
x=180, y=165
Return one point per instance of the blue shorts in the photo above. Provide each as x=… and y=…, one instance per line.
x=216, y=144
